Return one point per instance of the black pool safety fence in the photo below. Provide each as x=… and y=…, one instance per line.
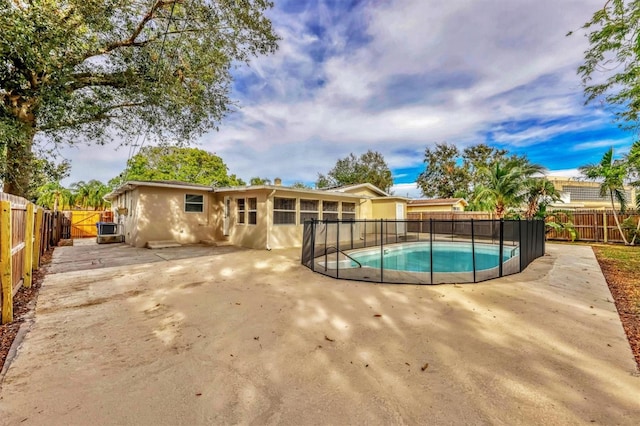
x=421, y=251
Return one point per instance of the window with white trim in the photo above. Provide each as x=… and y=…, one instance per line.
x=284, y=211
x=308, y=210
x=348, y=211
x=193, y=203
x=252, y=211
x=240, y=203
x=330, y=210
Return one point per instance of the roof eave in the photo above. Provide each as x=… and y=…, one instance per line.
x=288, y=189
x=133, y=184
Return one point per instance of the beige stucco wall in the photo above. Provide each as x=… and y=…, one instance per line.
x=156, y=214
x=265, y=234
x=365, y=209
x=385, y=208
x=243, y=235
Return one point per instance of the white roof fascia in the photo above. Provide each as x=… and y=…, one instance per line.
x=311, y=192
x=359, y=185
x=130, y=185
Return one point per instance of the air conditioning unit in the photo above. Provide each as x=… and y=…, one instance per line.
x=107, y=228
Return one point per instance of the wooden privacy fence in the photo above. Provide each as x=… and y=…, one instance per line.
x=26, y=232
x=450, y=215
x=590, y=225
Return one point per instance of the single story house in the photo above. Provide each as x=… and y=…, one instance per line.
x=260, y=216
x=437, y=205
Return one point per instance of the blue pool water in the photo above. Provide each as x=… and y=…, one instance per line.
x=447, y=257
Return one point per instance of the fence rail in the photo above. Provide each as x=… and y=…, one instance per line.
x=450, y=215
x=421, y=251
x=26, y=233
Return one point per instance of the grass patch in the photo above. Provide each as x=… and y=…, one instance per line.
x=621, y=268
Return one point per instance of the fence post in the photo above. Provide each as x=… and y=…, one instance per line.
x=364, y=239
x=351, y=230
x=520, y=245
x=431, y=250
x=605, y=227
x=313, y=245
x=541, y=231
x=38, y=238
x=6, y=275
x=501, y=246
x=28, y=247
x=57, y=228
x=473, y=250
x=381, y=252
x=396, y=229
x=338, y=249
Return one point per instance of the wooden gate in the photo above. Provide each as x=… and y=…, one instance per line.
x=83, y=222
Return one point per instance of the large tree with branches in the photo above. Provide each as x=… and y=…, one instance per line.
x=611, y=67
x=92, y=70
x=370, y=167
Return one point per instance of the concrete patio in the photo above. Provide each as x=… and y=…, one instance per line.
x=216, y=335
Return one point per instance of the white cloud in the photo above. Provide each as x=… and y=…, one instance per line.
x=409, y=190
x=568, y=173
x=606, y=143
x=425, y=71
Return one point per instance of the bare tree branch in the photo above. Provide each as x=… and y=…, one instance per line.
x=98, y=116
x=131, y=40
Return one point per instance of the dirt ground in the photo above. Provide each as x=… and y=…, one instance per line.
x=253, y=337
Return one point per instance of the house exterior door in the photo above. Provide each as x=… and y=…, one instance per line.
x=400, y=216
x=226, y=218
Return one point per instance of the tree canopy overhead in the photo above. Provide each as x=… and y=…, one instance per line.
x=370, y=167
x=612, y=63
x=191, y=165
x=73, y=69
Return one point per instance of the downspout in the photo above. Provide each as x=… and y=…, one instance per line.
x=269, y=211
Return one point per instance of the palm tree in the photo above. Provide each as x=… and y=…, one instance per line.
x=540, y=192
x=53, y=196
x=90, y=195
x=633, y=161
x=611, y=173
x=505, y=184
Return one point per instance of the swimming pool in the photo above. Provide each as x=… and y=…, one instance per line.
x=418, y=257
x=421, y=251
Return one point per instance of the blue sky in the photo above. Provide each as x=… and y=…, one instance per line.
x=397, y=76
